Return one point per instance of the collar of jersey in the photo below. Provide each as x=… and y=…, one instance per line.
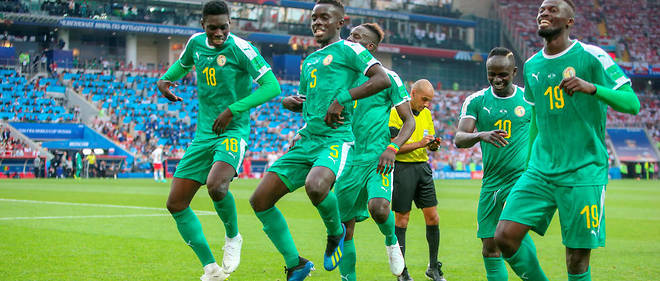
x=561, y=53
x=223, y=45
x=515, y=91
x=340, y=40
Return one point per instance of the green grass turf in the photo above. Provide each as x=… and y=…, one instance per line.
x=96, y=242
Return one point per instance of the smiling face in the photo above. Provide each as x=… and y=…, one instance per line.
x=216, y=28
x=327, y=20
x=364, y=37
x=554, y=17
x=500, y=71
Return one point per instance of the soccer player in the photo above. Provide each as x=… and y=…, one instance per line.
x=501, y=116
x=319, y=156
x=367, y=181
x=157, y=161
x=413, y=178
x=570, y=84
x=79, y=164
x=226, y=65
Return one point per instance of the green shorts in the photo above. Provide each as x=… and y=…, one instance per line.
x=356, y=186
x=533, y=202
x=489, y=210
x=201, y=154
x=312, y=151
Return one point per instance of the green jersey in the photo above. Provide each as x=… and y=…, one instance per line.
x=372, y=114
x=570, y=149
x=224, y=76
x=504, y=165
x=327, y=72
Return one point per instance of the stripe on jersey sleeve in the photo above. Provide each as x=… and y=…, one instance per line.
x=609, y=66
x=467, y=102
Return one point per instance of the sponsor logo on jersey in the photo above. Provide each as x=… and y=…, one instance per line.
x=221, y=60
x=520, y=111
x=327, y=60
x=568, y=72
x=536, y=75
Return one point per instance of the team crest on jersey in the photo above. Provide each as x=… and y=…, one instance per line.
x=221, y=60
x=568, y=72
x=327, y=60
x=520, y=111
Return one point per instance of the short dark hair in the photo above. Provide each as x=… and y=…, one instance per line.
x=376, y=29
x=571, y=4
x=335, y=3
x=500, y=51
x=215, y=7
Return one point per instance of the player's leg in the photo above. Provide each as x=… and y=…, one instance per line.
x=425, y=198
x=493, y=261
x=217, y=183
x=582, y=218
x=403, y=192
x=529, y=206
x=489, y=210
x=155, y=173
x=161, y=173
x=347, y=264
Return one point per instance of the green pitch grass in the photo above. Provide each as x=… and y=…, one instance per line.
x=80, y=230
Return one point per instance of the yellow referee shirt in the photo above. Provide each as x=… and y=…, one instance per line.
x=423, y=127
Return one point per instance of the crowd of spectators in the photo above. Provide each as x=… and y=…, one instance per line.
x=12, y=147
x=636, y=22
x=13, y=6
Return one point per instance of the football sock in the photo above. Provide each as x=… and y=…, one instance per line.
x=433, y=238
x=387, y=229
x=400, y=233
x=226, y=209
x=581, y=277
x=495, y=269
x=525, y=263
x=329, y=212
x=191, y=231
x=155, y=175
x=347, y=264
x=278, y=232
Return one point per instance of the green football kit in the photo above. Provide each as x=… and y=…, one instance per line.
x=327, y=74
x=568, y=165
x=504, y=165
x=360, y=182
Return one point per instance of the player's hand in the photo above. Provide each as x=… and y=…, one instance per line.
x=425, y=141
x=574, y=84
x=434, y=144
x=222, y=121
x=333, y=116
x=386, y=162
x=164, y=88
x=495, y=138
x=294, y=103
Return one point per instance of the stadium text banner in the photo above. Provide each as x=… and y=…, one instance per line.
x=50, y=131
x=127, y=26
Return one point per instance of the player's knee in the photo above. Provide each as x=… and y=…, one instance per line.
x=489, y=249
x=432, y=218
x=504, y=239
x=577, y=260
x=350, y=228
x=379, y=209
x=175, y=207
x=401, y=219
x=316, y=189
x=218, y=189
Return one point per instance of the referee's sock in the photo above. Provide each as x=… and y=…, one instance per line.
x=226, y=209
x=525, y=262
x=581, y=277
x=191, y=231
x=495, y=269
x=278, y=231
x=433, y=239
x=400, y=233
x=387, y=229
x=347, y=264
x=329, y=212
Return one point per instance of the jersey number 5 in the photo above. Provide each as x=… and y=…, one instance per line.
x=209, y=72
x=313, y=76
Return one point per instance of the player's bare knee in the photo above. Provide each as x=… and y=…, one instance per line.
x=379, y=209
x=401, y=219
x=175, y=207
x=218, y=189
x=577, y=260
x=350, y=228
x=316, y=190
x=490, y=249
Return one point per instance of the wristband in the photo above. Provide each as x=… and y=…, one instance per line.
x=344, y=97
x=393, y=147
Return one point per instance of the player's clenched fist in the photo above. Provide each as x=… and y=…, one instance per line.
x=333, y=116
x=576, y=84
x=164, y=88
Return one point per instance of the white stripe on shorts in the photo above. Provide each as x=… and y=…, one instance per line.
x=240, y=156
x=345, y=148
x=602, y=204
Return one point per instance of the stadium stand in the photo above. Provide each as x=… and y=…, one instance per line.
x=23, y=101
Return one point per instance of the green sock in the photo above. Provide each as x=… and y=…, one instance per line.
x=387, y=229
x=278, y=231
x=347, y=263
x=226, y=209
x=191, y=231
x=525, y=263
x=581, y=277
x=330, y=214
x=495, y=269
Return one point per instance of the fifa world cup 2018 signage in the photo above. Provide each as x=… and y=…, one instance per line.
x=127, y=26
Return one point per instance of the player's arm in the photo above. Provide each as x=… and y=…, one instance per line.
x=175, y=72
x=467, y=137
x=386, y=161
x=533, y=132
x=622, y=99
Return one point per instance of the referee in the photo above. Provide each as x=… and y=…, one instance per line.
x=413, y=178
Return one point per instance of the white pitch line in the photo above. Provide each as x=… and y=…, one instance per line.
x=97, y=205
x=87, y=217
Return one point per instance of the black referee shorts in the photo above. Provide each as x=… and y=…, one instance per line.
x=413, y=181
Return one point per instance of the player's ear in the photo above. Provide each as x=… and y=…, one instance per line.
x=515, y=70
x=201, y=22
x=570, y=22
